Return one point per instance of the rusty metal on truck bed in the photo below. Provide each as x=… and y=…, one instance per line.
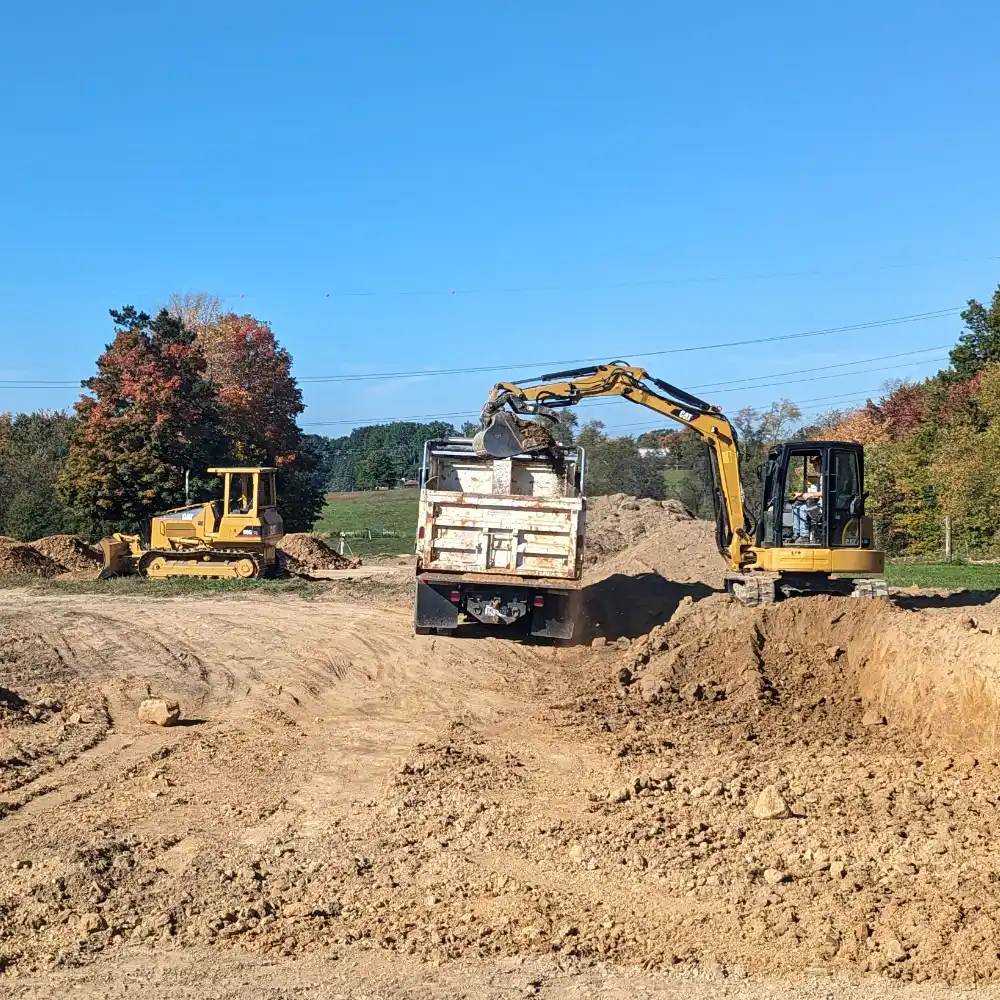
x=499, y=540
x=521, y=517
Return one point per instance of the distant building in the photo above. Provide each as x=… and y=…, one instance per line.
x=654, y=452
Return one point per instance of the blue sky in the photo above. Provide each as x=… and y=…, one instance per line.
x=405, y=187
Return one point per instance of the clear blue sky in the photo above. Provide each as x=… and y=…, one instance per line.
x=591, y=179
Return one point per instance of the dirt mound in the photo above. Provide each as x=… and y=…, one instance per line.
x=618, y=521
x=346, y=788
x=70, y=552
x=632, y=536
x=302, y=554
x=644, y=557
x=21, y=559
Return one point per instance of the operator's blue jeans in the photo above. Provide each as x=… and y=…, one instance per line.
x=800, y=523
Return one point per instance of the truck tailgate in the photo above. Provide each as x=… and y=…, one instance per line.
x=524, y=536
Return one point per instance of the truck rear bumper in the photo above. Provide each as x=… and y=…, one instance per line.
x=549, y=612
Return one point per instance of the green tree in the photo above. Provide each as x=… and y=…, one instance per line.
x=377, y=469
x=149, y=416
x=614, y=465
x=33, y=448
x=980, y=344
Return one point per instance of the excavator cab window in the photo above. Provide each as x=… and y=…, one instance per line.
x=847, y=499
x=802, y=514
x=813, y=496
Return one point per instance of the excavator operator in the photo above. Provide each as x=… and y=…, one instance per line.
x=807, y=503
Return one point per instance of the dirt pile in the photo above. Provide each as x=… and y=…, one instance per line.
x=739, y=791
x=302, y=554
x=54, y=555
x=71, y=553
x=618, y=521
x=21, y=559
x=632, y=536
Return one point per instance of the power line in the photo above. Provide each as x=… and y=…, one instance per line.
x=823, y=368
x=508, y=366
x=653, y=423
x=616, y=402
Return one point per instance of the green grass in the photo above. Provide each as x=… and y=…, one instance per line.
x=674, y=479
x=943, y=576
x=392, y=510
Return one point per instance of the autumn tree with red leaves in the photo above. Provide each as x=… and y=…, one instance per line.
x=149, y=416
x=259, y=401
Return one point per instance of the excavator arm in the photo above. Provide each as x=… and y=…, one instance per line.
x=504, y=434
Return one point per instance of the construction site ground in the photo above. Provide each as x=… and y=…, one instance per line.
x=349, y=810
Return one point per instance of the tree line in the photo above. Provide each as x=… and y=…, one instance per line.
x=173, y=395
x=193, y=387
x=932, y=448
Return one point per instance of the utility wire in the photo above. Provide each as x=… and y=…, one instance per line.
x=508, y=366
x=616, y=402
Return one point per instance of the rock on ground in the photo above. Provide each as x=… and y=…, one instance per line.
x=770, y=805
x=159, y=712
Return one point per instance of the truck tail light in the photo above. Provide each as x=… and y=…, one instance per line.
x=456, y=596
x=539, y=600
x=420, y=533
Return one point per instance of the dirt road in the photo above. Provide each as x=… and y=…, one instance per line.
x=351, y=810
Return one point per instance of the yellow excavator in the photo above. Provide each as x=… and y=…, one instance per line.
x=232, y=538
x=813, y=535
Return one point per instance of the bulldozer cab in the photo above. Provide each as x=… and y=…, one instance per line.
x=246, y=491
x=813, y=497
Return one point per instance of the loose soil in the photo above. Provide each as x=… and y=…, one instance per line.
x=350, y=809
x=302, y=554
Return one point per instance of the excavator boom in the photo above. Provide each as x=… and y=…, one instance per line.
x=505, y=434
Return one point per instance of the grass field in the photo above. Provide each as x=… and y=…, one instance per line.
x=944, y=576
x=389, y=510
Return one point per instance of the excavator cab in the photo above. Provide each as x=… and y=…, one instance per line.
x=813, y=497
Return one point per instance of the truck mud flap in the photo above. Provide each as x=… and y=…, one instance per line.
x=554, y=621
x=432, y=609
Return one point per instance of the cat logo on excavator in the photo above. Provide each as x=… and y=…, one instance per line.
x=232, y=538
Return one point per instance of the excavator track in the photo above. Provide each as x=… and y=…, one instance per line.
x=752, y=589
x=161, y=564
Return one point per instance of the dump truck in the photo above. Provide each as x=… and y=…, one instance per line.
x=499, y=540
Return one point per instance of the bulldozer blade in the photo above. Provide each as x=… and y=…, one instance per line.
x=117, y=558
x=506, y=436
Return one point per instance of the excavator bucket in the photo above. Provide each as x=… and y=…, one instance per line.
x=501, y=438
x=117, y=557
x=506, y=436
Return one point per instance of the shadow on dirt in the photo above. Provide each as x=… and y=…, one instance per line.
x=632, y=605
x=959, y=599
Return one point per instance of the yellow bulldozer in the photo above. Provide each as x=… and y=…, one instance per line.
x=232, y=538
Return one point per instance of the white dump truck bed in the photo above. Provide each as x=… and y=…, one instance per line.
x=506, y=519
